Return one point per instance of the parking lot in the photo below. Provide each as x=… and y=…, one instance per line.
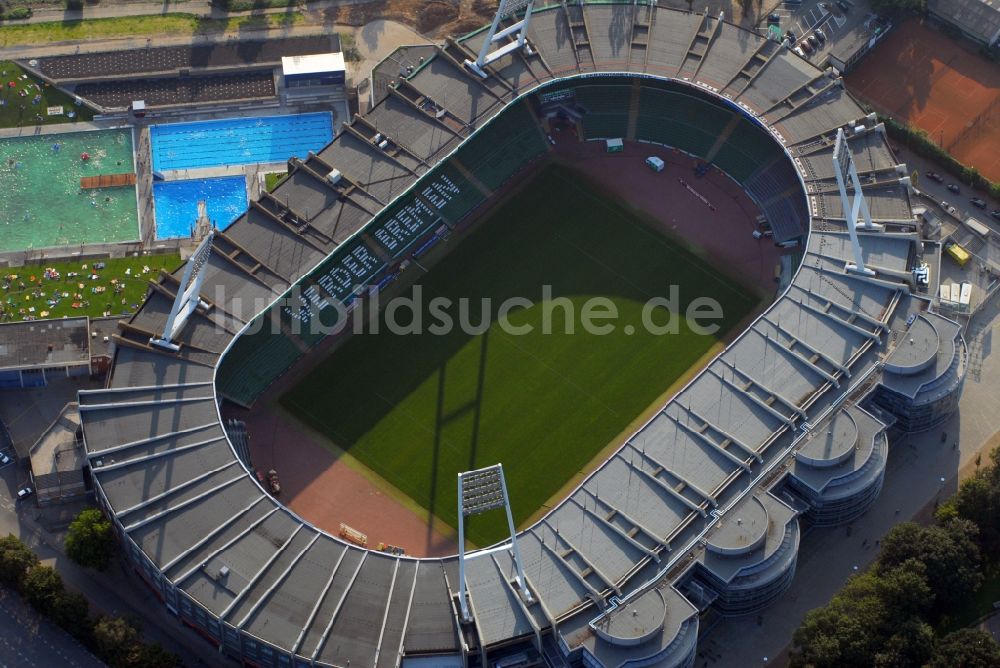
x=803, y=20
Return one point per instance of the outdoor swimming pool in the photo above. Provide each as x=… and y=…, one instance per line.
x=41, y=202
x=176, y=203
x=238, y=141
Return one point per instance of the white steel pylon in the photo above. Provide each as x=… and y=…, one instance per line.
x=843, y=168
x=506, y=8
x=480, y=491
x=188, y=295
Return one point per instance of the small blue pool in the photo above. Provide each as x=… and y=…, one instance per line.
x=238, y=141
x=176, y=203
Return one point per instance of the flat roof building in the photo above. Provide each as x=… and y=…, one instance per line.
x=34, y=351
x=979, y=20
x=312, y=71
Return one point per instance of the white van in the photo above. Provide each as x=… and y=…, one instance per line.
x=654, y=163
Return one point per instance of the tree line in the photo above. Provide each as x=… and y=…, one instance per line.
x=901, y=612
x=114, y=640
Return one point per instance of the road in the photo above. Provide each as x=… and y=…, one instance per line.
x=28, y=639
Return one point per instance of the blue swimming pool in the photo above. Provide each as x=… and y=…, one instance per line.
x=176, y=203
x=238, y=141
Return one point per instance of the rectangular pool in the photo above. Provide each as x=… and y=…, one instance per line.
x=41, y=201
x=238, y=141
x=176, y=203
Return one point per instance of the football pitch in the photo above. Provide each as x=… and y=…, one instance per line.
x=419, y=408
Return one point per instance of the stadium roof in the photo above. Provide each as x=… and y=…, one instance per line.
x=164, y=468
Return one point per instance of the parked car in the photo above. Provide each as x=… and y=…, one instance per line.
x=806, y=46
x=4, y=459
x=995, y=213
x=934, y=176
x=813, y=41
x=978, y=203
x=954, y=188
x=790, y=35
x=25, y=492
x=820, y=35
x=774, y=18
x=799, y=51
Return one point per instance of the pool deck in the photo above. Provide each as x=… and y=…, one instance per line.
x=250, y=172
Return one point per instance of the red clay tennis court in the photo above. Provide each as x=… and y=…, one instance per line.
x=939, y=85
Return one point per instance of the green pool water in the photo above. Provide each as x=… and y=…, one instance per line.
x=41, y=203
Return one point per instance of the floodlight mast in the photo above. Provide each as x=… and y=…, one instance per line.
x=843, y=168
x=506, y=8
x=481, y=491
x=187, y=298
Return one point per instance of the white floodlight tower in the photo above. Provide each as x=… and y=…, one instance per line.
x=506, y=8
x=187, y=299
x=481, y=491
x=843, y=168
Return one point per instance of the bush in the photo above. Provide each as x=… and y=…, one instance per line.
x=43, y=588
x=18, y=14
x=90, y=540
x=117, y=641
x=16, y=559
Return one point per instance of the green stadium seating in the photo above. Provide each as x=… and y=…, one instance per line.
x=253, y=363
x=513, y=141
x=679, y=120
x=467, y=198
x=606, y=108
x=746, y=150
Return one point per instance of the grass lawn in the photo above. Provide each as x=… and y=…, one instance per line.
x=418, y=409
x=28, y=287
x=17, y=109
x=125, y=26
x=272, y=179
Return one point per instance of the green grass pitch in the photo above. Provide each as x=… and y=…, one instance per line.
x=418, y=409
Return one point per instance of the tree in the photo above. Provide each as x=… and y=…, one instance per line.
x=71, y=611
x=115, y=639
x=90, y=540
x=949, y=552
x=911, y=644
x=978, y=500
x=152, y=655
x=966, y=648
x=42, y=588
x=16, y=559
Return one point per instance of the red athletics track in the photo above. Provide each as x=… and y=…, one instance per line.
x=326, y=490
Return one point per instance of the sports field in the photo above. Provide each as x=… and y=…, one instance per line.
x=940, y=85
x=417, y=409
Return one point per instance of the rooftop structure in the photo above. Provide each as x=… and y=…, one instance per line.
x=979, y=20
x=690, y=512
x=31, y=349
x=58, y=459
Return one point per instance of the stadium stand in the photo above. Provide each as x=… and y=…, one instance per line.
x=606, y=110
x=680, y=120
x=697, y=512
x=173, y=59
x=254, y=361
x=745, y=150
x=514, y=139
x=452, y=194
x=186, y=90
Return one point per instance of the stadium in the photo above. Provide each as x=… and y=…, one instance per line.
x=700, y=513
